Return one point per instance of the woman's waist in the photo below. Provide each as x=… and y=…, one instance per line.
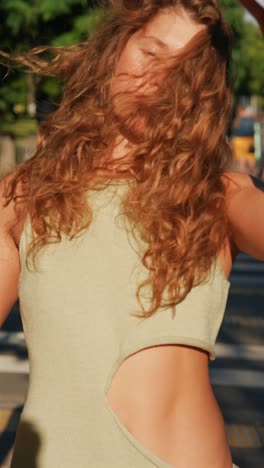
x=173, y=404
x=196, y=421
x=192, y=430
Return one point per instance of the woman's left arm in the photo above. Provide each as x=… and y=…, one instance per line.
x=245, y=210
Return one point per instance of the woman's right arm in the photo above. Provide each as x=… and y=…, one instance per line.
x=9, y=257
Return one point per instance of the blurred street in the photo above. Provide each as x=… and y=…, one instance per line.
x=237, y=374
x=27, y=99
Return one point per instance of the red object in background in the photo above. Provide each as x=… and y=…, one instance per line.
x=256, y=10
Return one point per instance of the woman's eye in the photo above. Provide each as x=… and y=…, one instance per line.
x=148, y=52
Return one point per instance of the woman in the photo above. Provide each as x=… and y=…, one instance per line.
x=136, y=151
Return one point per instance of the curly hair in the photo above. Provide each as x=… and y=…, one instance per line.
x=176, y=200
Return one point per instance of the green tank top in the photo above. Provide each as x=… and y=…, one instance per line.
x=75, y=311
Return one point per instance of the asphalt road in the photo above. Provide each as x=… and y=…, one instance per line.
x=237, y=374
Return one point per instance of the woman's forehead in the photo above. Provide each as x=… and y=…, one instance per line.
x=171, y=29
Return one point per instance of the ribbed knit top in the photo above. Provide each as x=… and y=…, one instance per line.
x=76, y=318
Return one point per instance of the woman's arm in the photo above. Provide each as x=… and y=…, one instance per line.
x=9, y=258
x=245, y=210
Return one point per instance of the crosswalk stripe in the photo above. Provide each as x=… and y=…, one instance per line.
x=240, y=351
x=9, y=363
x=242, y=436
x=237, y=378
x=246, y=321
x=12, y=338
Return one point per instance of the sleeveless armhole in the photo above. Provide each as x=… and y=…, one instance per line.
x=221, y=271
x=22, y=251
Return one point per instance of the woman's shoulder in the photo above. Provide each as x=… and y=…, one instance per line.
x=9, y=258
x=235, y=181
x=239, y=183
x=245, y=211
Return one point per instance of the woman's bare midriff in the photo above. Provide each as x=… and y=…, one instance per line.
x=163, y=396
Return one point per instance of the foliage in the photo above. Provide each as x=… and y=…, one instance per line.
x=19, y=129
x=248, y=52
x=252, y=51
x=234, y=14
x=29, y=23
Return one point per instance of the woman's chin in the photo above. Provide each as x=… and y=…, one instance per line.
x=134, y=130
x=132, y=135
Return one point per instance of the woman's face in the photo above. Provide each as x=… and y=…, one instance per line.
x=165, y=33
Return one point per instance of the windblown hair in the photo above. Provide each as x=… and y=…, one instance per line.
x=176, y=201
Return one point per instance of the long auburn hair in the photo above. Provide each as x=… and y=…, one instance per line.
x=176, y=200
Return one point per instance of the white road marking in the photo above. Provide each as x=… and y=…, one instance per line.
x=239, y=351
x=243, y=436
x=237, y=378
x=9, y=363
x=12, y=338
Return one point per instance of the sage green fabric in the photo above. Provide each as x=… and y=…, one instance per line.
x=76, y=317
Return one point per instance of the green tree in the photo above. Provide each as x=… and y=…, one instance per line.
x=30, y=23
x=253, y=52
x=248, y=53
